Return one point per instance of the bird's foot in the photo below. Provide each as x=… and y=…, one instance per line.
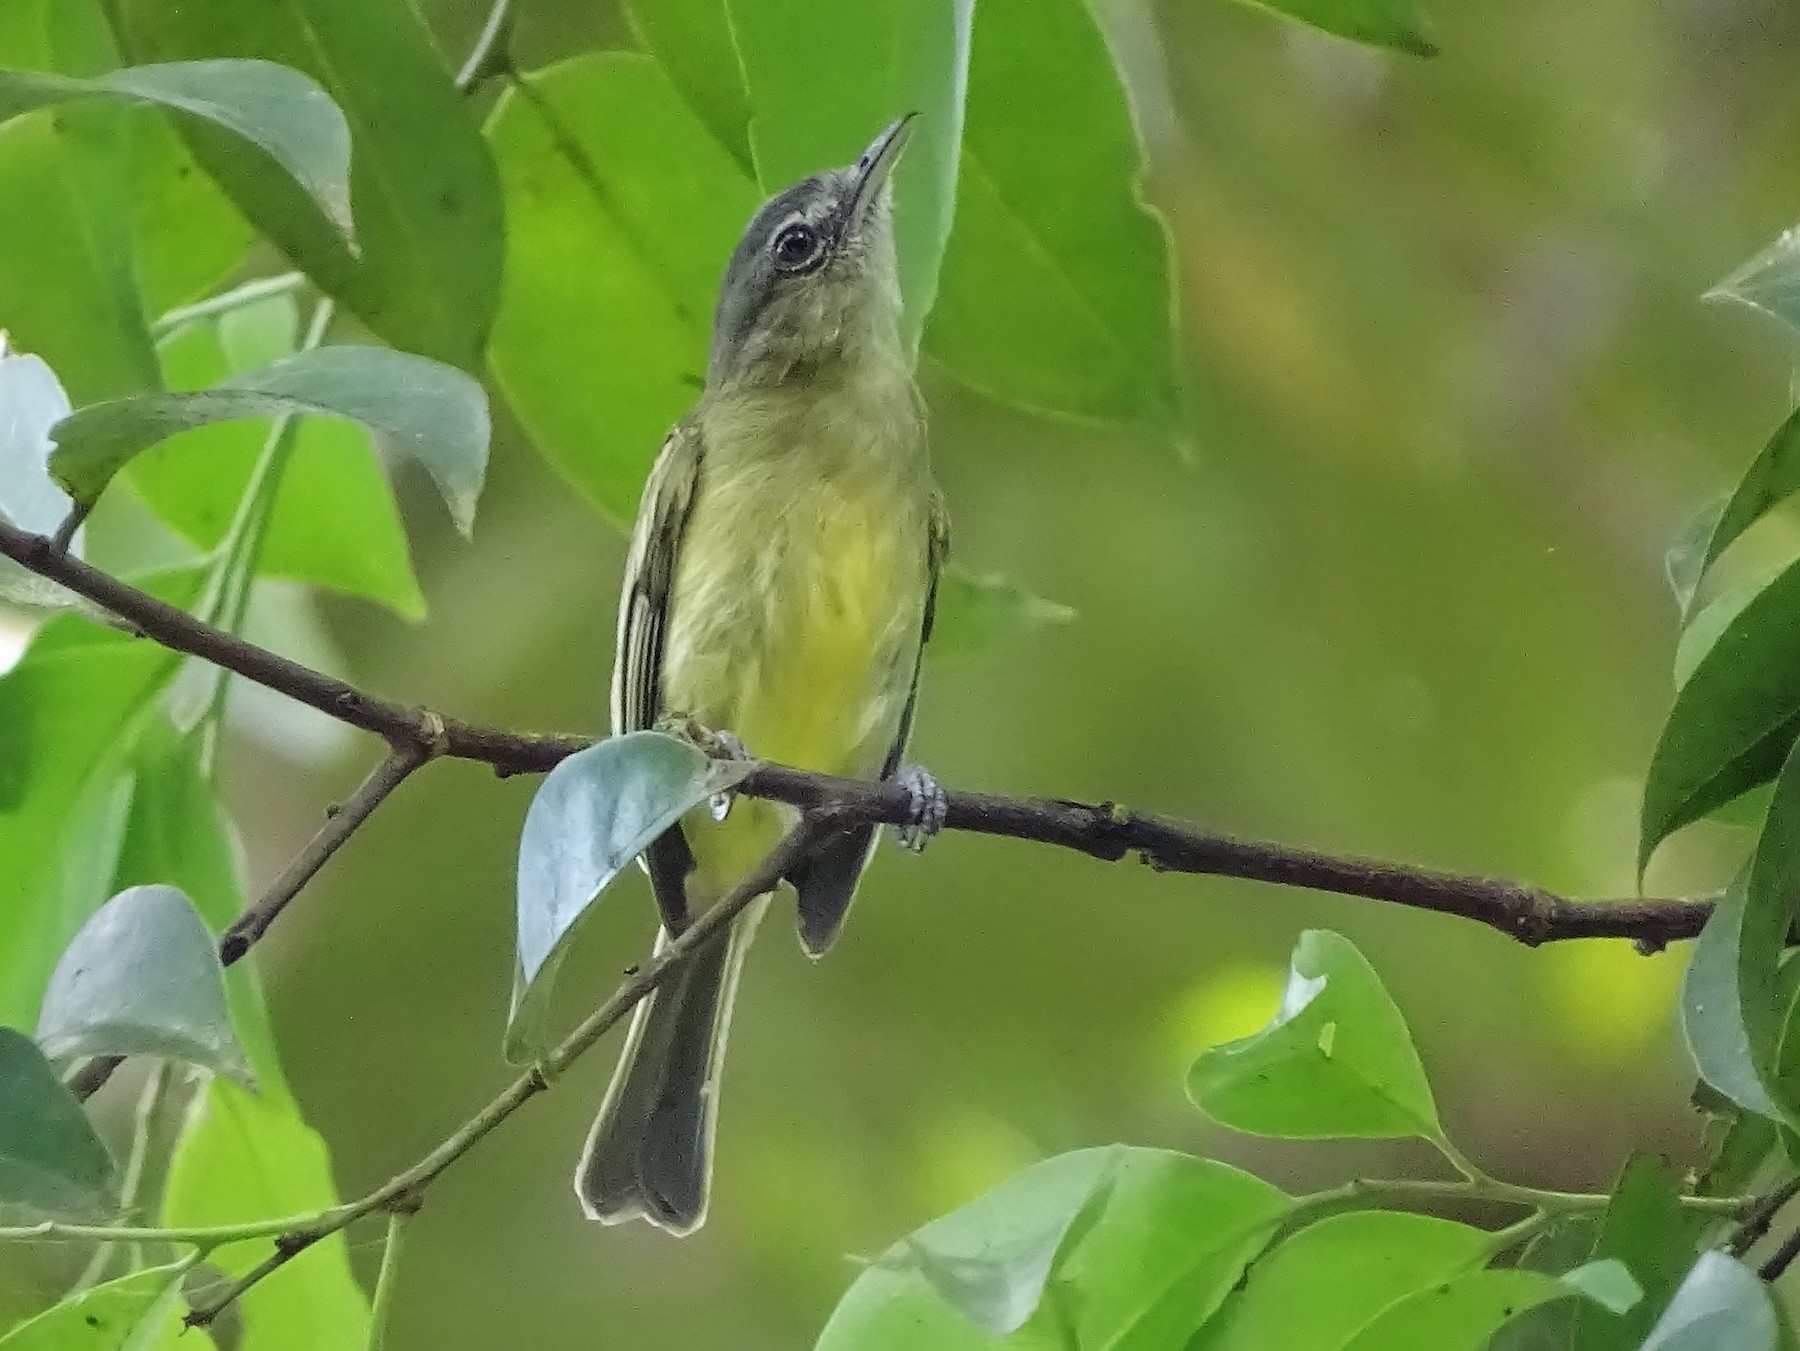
x=928, y=806
x=718, y=745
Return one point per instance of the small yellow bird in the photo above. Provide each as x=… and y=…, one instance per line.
x=779, y=589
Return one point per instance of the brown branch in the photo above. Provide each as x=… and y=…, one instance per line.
x=404, y=1190
x=1104, y=831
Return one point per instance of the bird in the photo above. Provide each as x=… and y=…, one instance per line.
x=778, y=595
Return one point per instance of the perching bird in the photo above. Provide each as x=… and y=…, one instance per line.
x=779, y=589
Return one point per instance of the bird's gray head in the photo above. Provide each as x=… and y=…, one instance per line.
x=813, y=282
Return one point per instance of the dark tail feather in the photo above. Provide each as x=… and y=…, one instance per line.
x=826, y=884
x=650, y=1152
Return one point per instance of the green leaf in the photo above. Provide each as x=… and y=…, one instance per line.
x=427, y=200
x=1769, y=282
x=977, y=612
x=1728, y=731
x=334, y=523
x=621, y=213
x=1685, y=562
x=825, y=77
x=190, y=238
x=1336, y=1060
x=247, y=1158
x=1457, y=1315
x=1608, y=1284
x=126, y=1314
x=1320, y=1287
x=281, y=111
x=51, y=1162
x=431, y=413
x=594, y=813
x=1056, y=290
x=142, y=978
x=1732, y=1003
x=1380, y=23
x=1647, y=1229
x=67, y=286
x=692, y=41
x=1770, y=480
x=1158, y=1241
x=1721, y=1306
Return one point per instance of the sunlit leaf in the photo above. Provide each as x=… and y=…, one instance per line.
x=1726, y=733
x=1056, y=290
x=426, y=197
x=1456, y=1315
x=126, y=1314
x=1772, y=478
x=1607, y=1284
x=979, y=611
x=1769, y=282
x=1322, y=1286
x=334, y=523
x=281, y=111
x=415, y=407
x=51, y=1162
x=824, y=77
x=245, y=1158
x=1337, y=1060
x=142, y=978
x=1382, y=23
x=190, y=238
x=1647, y=1229
x=67, y=285
x=1158, y=1241
x=692, y=41
x=621, y=213
x=1721, y=1306
x=594, y=813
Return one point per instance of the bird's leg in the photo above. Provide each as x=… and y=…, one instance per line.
x=719, y=745
x=929, y=805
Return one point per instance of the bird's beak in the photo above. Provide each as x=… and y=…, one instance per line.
x=873, y=168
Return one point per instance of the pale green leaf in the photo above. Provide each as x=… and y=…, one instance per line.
x=127, y=1314
x=1721, y=1306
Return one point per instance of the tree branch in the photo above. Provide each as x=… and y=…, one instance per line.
x=404, y=1190
x=1104, y=831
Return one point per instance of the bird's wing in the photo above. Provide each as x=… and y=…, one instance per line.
x=644, y=604
x=825, y=881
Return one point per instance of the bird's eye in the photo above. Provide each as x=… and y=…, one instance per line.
x=796, y=246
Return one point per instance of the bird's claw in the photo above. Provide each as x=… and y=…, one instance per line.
x=718, y=745
x=928, y=807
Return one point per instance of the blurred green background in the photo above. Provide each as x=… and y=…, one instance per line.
x=1453, y=391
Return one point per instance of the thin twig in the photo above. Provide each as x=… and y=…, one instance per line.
x=405, y=1189
x=1104, y=830
x=1782, y=1258
x=492, y=53
x=1756, y=1223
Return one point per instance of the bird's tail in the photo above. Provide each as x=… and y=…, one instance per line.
x=650, y=1152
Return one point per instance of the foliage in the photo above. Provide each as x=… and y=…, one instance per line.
x=154, y=157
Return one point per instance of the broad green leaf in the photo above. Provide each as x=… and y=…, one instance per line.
x=1337, y=1060
x=1721, y=1306
x=1725, y=734
x=594, y=813
x=245, y=1158
x=415, y=407
x=1646, y=1228
x=1381, y=23
x=1056, y=290
x=335, y=522
x=126, y=1314
x=142, y=978
x=281, y=111
x=190, y=238
x=621, y=213
x=1158, y=1241
x=1457, y=1315
x=825, y=77
x=426, y=198
x=978, y=611
x=692, y=41
x=1770, y=480
x=51, y=1162
x=1769, y=282
x=1322, y=1286
x=67, y=286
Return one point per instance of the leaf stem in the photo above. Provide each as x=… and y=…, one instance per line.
x=381, y=1307
x=262, y=288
